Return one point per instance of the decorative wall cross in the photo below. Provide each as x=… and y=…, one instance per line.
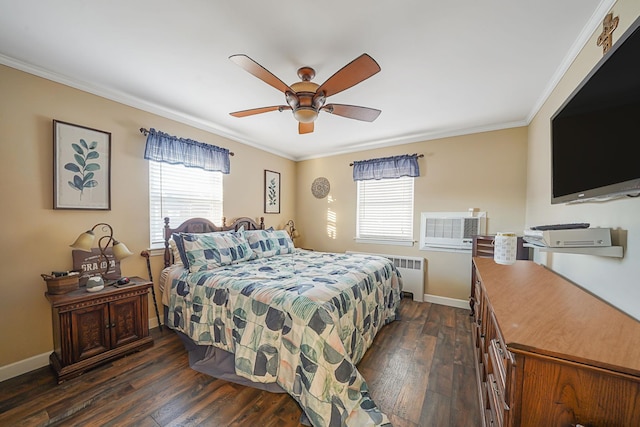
x=605, y=39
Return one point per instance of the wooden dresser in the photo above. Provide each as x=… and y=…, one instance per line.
x=549, y=353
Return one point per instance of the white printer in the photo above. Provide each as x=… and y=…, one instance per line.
x=570, y=238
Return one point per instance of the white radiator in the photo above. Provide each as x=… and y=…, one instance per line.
x=412, y=271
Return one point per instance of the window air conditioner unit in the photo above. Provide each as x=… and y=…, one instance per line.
x=450, y=230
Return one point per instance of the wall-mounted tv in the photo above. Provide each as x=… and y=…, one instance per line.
x=595, y=134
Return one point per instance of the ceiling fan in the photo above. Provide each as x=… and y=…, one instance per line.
x=306, y=99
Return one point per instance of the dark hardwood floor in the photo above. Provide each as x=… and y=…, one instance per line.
x=419, y=369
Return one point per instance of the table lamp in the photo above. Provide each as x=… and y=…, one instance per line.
x=85, y=241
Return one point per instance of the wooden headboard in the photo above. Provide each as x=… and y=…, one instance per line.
x=201, y=225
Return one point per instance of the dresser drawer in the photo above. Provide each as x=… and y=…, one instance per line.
x=496, y=401
x=497, y=366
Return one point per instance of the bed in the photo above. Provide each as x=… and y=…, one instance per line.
x=253, y=309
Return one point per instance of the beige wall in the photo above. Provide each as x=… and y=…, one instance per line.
x=615, y=280
x=36, y=238
x=486, y=171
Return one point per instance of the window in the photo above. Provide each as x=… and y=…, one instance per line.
x=385, y=211
x=181, y=193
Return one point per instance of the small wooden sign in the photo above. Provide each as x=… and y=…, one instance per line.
x=89, y=264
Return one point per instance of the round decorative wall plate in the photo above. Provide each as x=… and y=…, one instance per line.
x=320, y=187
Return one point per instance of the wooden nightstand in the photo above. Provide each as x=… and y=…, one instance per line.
x=90, y=328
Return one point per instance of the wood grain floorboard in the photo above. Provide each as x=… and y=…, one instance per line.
x=419, y=370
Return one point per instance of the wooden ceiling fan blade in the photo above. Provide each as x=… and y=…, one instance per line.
x=260, y=72
x=251, y=112
x=305, y=127
x=350, y=75
x=365, y=114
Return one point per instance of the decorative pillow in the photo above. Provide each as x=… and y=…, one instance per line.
x=267, y=243
x=206, y=251
x=284, y=240
x=177, y=249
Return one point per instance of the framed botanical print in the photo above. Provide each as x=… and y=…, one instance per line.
x=81, y=167
x=271, y=192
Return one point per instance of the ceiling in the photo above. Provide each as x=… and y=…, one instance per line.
x=448, y=67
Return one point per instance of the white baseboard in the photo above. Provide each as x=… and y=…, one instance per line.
x=23, y=366
x=451, y=302
x=36, y=362
x=153, y=322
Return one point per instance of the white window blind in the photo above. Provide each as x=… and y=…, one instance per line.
x=180, y=193
x=385, y=210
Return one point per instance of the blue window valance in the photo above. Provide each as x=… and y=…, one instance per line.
x=163, y=147
x=386, y=167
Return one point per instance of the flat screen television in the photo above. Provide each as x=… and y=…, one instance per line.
x=595, y=134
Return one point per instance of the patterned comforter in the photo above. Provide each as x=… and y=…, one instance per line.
x=303, y=320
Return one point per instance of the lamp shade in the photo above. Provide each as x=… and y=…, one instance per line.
x=290, y=226
x=84, y=242
x=120, y=250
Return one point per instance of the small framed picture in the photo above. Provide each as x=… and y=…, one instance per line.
x=81, y=167
x=271, y=192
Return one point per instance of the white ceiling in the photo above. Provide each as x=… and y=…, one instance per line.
x=448, y=67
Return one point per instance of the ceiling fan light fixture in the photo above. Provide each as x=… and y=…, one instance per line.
x=305, y=114
x=306, y=98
